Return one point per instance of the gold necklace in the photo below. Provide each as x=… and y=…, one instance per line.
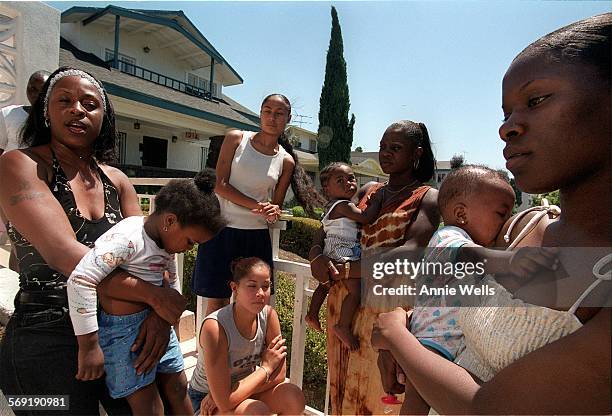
x=386, y=184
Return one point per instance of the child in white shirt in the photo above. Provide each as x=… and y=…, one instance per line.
x=187, y=212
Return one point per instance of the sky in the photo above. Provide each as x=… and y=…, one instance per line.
x=436, y=62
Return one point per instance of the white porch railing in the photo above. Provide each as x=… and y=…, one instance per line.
x=300, y=303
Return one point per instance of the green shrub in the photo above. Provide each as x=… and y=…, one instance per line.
x=298, y=236
x=298, y=211
x=552, y=197
x=318, y=213
x=188, y=266
x=144, y=207
x=147, y=189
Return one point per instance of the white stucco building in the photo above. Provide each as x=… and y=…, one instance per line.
x=29, y=42
x=165, y=80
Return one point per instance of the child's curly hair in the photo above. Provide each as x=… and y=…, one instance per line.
x=193, y=201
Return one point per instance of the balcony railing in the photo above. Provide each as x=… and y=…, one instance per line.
x=300, y=304
x=159, y=79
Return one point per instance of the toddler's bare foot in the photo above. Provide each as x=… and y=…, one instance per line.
x=313, y=322
x=345, y=335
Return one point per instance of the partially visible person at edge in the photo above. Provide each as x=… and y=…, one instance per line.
x=538, y=360
x=12, y=119
x=57, y=197
x=408, y=218
x=254, y=171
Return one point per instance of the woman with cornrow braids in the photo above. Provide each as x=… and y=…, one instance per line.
x=57, y=196
x=544, y=351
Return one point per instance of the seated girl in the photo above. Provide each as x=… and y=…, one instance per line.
x=244, y=352
x=187, y=213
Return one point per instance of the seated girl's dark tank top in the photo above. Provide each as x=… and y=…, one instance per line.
x=35, y=274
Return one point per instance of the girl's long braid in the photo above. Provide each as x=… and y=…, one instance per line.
x=301, y=184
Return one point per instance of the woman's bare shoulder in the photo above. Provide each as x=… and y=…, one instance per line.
x=233, y=135
x=430, y=199
x=213, y=334
x=30, y=154
x=231, y=141
x=20, y=163
x=117, y=176
x=429, y=206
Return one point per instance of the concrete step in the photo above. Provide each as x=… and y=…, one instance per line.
x=9, y=285
x=190, y=356
x=185, y=329
x=5, y=252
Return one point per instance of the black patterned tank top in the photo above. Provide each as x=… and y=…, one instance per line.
x=35, y=274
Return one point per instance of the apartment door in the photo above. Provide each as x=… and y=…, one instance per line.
x=154, y=152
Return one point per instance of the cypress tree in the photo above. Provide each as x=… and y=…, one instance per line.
x=457, y=161
x=335, y=129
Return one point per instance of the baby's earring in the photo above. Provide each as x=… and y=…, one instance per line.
x=166, y=229
x=461, y=221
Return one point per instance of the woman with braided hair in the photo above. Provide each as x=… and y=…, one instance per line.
x=57, y=197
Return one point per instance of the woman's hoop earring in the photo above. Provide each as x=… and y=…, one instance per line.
x=416, y=164
x=47, y=123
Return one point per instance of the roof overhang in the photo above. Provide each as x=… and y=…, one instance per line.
x=159, y=103
x=306, y=133
x=307, y=159
x=369, y=167
x=168, y=30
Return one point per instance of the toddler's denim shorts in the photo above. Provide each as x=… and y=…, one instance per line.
x=117, y=335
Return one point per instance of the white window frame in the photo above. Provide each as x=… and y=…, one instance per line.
x=203, y=157
x=198, y=81
x=126, y=62
x=201, y=82
x=121, y=146
x=313, y=145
